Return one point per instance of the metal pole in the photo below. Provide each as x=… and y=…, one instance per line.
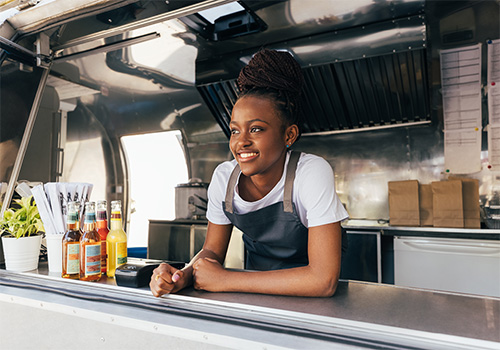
x=25, y=141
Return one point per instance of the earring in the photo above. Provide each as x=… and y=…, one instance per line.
x=287, y=146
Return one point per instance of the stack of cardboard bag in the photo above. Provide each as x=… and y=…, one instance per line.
x=450, y=203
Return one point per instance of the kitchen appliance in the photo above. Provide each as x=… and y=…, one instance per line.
x=456, y=265
x=180, y=240
x=137, y=272
x=177, y=240
x=191, y=200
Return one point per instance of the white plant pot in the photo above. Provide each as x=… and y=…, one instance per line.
x=21, y=254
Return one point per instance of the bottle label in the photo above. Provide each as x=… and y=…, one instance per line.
x=121, y=253
x=89, y=218
x=104, y=256
x=92, y=259
x=116, y=216
x=72, y=218
x=73, y=259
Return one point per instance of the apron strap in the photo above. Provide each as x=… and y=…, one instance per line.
x=230, y=188
x=290, y=177
x=287, y=195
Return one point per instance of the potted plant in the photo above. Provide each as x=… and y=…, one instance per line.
x=21, y=229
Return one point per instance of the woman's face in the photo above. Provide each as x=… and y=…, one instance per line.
x=258, y=136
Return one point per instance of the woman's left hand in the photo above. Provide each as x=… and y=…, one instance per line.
x=208, y=274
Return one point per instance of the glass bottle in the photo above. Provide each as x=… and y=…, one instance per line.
x=116, y=240
x=90, y=247
x=102, y=229
x=71, y=244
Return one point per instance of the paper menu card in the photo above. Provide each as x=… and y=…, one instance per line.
x=461, y=92
x=462, y=150
x=494, y=81
x=494, y=145
x=493, y=49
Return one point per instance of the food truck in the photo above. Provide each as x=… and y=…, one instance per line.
x=131, y=100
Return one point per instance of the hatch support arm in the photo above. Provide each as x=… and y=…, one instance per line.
x=46, y=63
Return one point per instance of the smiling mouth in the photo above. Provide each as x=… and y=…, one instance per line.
x=247, y=155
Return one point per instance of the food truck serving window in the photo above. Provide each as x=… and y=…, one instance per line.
x=156, y=164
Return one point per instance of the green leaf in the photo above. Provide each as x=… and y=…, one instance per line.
x=24, y=221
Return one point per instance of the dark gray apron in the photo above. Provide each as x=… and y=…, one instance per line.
x=274, y=236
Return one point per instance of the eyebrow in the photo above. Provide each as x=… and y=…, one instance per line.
x=252, y=120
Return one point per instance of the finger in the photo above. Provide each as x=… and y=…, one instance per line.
x=211, y=260
x=154, y=289
x=176, y=276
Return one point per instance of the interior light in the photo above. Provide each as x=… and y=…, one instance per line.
x=216, y=12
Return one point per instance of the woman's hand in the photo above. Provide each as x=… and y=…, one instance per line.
x=208, y=274
x=167, y=279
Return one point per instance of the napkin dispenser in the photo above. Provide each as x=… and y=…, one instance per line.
x=137, y=273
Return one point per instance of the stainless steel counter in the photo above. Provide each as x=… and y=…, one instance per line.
x=385, y=229
x=362, y=315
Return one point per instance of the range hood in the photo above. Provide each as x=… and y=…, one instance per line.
x=372, y=76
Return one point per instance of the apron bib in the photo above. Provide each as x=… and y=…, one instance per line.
x=274, y=236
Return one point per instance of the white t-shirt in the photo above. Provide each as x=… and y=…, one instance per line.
x=314, y=193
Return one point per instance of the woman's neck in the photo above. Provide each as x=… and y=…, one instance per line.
x=255, y=187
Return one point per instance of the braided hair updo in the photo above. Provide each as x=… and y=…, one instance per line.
x=275, y=75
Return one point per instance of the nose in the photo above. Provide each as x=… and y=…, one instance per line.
x=243, y=139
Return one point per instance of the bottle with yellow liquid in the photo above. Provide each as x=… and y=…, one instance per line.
x=116, y=240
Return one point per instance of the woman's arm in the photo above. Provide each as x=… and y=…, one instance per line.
x=166, y=279
x=318, y=278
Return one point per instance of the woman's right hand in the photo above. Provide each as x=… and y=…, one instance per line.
x=167, y=279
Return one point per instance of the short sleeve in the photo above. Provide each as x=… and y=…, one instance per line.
x=217, y=192
x=315, y=186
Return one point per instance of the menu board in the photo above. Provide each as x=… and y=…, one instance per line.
x=493, y=89
x=461, y=91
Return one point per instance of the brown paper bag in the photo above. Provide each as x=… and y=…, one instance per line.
x=403, y=203
x=470, y=198
x=447, y=207
x=425, y=203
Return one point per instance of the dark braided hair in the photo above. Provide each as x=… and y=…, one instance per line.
x=275, y=75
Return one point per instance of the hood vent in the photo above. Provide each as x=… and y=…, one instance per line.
x=381, y=91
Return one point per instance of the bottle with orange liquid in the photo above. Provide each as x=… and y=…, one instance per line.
x=71, y=244
x=90, y=247
x=116, y=240
x=102, y=229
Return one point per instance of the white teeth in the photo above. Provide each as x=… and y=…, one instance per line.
x=246, y=155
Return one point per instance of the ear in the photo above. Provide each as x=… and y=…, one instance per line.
x=291, y=134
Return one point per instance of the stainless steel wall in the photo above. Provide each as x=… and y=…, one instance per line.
x=133, y=98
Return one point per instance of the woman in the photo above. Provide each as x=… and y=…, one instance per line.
x=284, y=202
